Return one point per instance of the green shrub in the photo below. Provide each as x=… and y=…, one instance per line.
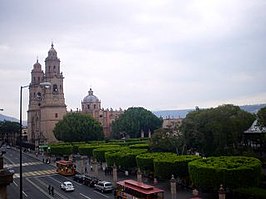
x=250, y=192
x=145, y=160
x=176, y=165
x=139, y=146
x=124, y=159
x=99, y=153
x=60, y=150
x=231, y=171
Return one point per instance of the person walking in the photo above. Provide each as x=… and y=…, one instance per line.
x=52, y=190
x=49, y=189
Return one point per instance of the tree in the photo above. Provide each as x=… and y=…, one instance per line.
x=9, y=131
x=216, y=131
x=166, y=140
x=262, y=116
x=133, y=121
x=76, y=127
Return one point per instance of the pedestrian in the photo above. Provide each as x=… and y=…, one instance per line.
x=52, y=190
x=49, y=189
x=91, y=167
x=86, y=170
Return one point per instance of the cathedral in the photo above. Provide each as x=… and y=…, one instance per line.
x=46, y=100
x=92, y=105
x=47, y=103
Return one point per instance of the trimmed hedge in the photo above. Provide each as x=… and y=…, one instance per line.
x=231, y=171
x=250, y=192
x=145, y=160
x=124, y=159
x=99, y=153
x=172, y=164
x=139, y=146
x=61, y=150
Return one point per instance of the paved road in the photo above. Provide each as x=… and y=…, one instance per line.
x=38, y=175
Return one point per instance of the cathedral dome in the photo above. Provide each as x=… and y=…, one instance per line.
x=37, y=66
x=52, y=52
x=90, y=98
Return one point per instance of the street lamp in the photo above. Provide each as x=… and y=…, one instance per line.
x=45, y=84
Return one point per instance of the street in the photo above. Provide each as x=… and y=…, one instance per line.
x=37, y=176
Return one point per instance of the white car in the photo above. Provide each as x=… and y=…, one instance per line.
x=67, y=186
x=104, y=186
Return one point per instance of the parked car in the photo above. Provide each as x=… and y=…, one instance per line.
x=104, y=186
x=79, y=178
x=90, y=180
x=67, y=186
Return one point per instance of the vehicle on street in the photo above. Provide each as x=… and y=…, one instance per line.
x=132, y=189
x=104, y=186
x=90, y=181
x=67, y=186
x=79, y=178
x=65, y=167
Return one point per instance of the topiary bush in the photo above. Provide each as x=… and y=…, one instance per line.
x=99, y=153
x=231, y=171
x=60, y=150
x=124, y=159
x=172, y=164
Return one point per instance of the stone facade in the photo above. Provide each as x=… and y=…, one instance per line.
x=46, y=104
x=92, y=105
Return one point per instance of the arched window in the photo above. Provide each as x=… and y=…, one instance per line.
x=55, y=89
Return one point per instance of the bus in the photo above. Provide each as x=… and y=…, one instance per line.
x=65, y=167
x=131, y=189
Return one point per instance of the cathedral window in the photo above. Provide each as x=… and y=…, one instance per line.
x=55, y=88
x=88, y=106
x=39, y=95
x=56, y=115
x=94, y=106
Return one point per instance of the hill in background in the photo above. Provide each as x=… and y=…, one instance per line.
x=182, y=113
x=164, y=113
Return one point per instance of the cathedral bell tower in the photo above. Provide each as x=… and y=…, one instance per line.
x=46, y=105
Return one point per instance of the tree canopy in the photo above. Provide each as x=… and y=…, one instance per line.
x=9, y=129
x=76, y=127
x=216, y=131
x=166, y=140
x=262, y=116
x=133, y=121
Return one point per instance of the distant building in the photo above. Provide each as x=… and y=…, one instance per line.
x=254, y=137
x=92, y=105
x=46, y=105
x=171, y=123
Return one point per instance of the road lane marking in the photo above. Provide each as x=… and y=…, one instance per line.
x=101, y=194
x=39, y=188
x=24, y=193
x=35, y=173
x=23, y=164
x=56, y=192
x=85, y=196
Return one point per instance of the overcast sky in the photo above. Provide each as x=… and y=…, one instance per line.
x=157, y=54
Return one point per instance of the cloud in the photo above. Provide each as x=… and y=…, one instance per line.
x=156, y=54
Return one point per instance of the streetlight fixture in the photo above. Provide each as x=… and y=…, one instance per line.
x=46, y=85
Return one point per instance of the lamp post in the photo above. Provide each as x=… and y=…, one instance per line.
x=45, y=84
